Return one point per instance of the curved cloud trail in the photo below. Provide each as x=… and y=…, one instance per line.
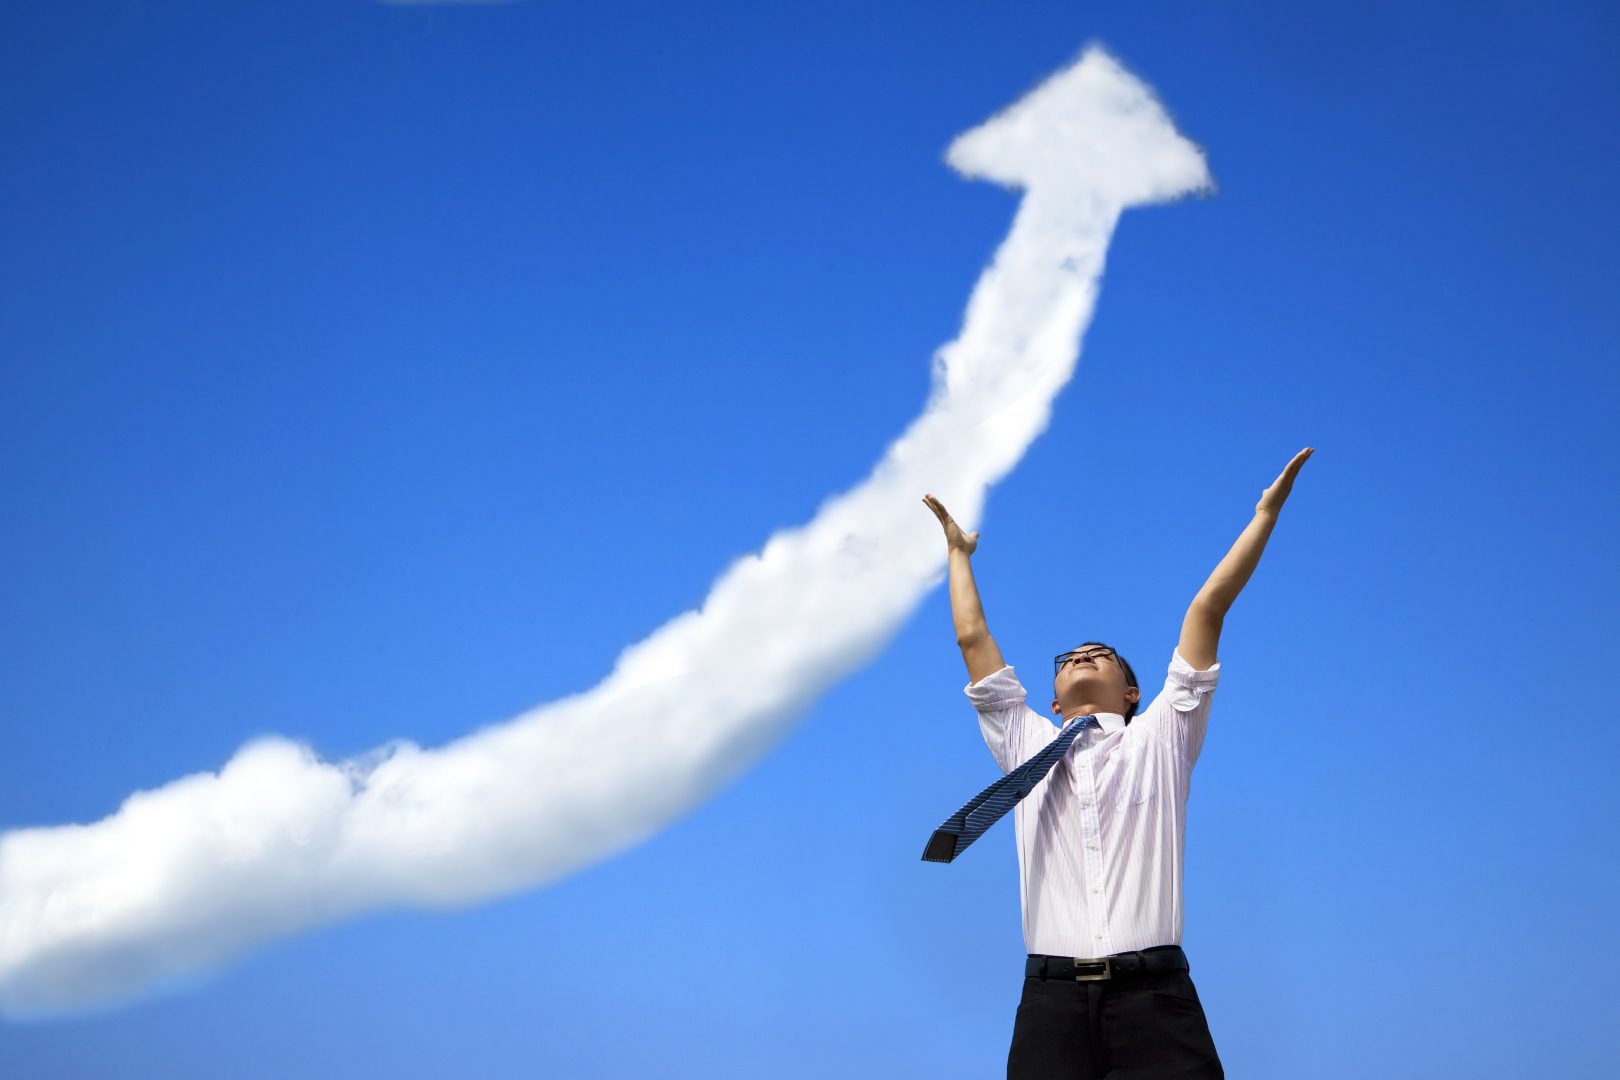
x=184, y=878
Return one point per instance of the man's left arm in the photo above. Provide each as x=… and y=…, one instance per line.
x=1201, y=629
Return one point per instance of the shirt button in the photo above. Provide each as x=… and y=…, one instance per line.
x=1096, y=888
x=1085, y=802
x=1092, y=845
x=1099, y=937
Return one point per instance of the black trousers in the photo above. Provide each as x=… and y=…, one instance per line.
x=1150, y=1027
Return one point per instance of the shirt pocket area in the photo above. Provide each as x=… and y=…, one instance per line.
x=1134, y=781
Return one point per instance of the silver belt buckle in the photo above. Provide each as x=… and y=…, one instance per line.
x=1099, y=970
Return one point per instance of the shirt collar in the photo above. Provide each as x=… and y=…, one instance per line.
x=1109, y=721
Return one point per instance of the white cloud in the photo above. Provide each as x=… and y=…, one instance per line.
x=184, y=878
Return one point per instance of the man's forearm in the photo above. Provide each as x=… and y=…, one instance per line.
x=1233, y=571
x=966, y=610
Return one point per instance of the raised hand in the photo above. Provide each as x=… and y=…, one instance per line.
x=979, y=649
x=1272, y=499
x=955, y=538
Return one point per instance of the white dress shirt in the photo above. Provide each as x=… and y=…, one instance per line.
x=1101, y=840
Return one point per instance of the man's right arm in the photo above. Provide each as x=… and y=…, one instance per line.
x=979, y=649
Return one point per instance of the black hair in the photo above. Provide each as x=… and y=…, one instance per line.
x=1130, y=677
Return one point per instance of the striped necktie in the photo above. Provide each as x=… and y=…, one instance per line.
x=986, y=808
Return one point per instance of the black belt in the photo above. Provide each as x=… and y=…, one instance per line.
x=1118, y=966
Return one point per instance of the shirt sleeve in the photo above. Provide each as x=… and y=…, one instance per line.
x=1180, y=713
x=1012, y=730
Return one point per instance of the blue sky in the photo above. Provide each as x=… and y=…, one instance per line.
x=374, y=371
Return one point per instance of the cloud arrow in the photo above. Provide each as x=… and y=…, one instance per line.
x=184, y=878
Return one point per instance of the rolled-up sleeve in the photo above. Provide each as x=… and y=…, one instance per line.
x=1012, y=730
x=1180, y=714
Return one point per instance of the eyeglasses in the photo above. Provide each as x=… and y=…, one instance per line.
x=1096, y=656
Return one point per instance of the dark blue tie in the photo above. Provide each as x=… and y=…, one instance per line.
x=986, y=808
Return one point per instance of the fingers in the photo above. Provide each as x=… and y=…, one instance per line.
x=938, y=508
x=954, y=536
x=1274, y=496
x=1291, y=470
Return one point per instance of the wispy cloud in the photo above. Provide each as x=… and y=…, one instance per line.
x=184, y=878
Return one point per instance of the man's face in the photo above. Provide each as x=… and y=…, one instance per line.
x=1091, y=674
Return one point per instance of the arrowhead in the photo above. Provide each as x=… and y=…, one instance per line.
x=1092, y=130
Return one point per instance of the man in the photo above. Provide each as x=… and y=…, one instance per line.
x=1101, y=838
